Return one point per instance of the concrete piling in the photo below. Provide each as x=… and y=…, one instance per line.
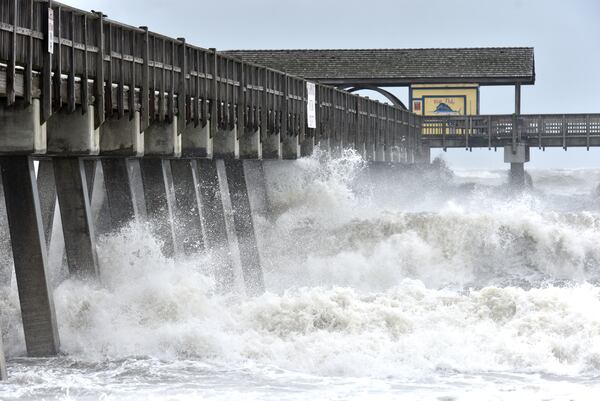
x=271, y=146
x=29, y=253
x=213, y=219
x=187, y=206
x=75, y=211
x=517, y=156
x=244, y=227
x=250, y=146
x=76, y=216
x=119, y=193
x=158, y=193
x=47, y=194
x=3, y=375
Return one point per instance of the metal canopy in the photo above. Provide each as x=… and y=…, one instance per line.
x=401, y=67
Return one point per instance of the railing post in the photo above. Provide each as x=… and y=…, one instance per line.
x=99, y=80
x=564, y=131
x=489, y=126
x=587, y=131
x=12, y=62
x=48, y=49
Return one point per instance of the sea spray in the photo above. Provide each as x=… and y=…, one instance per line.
x=376, y=285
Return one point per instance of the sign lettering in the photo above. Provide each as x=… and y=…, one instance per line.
x=311, y=110
x=50, y=31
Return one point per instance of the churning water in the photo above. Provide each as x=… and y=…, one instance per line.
x=381, y=285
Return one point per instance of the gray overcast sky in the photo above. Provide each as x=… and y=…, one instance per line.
x=565, y=35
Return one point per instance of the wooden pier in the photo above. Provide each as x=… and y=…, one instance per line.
x=171, y=132
x=80, y=92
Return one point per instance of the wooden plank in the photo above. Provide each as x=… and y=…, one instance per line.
x=57, y=79
x=214, y=95
x=99, y=114
x=109, y=72
x=71, y=104
x=46, y=95
x=182, y=97
x=28, y=78
x=132, y=82
x=121, y=83
x=145, y=85
x=197, y=111
x=241, y=106
x=12, y=62
x=85, y=100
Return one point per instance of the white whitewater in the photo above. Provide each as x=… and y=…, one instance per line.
x=381, y=286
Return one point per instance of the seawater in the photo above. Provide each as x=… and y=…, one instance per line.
x=414, y=285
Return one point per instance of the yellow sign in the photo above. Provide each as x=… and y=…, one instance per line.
x=436, y=100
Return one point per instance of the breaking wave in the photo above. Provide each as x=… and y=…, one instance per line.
x=400, y=274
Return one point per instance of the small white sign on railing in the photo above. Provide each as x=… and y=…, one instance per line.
x=311, y=110
x=50, y=31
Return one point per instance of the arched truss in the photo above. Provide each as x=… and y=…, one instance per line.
x=388, y=95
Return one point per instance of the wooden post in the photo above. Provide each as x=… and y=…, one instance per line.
x=516, y=121
x=29, y=253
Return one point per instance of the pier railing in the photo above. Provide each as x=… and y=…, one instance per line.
x=68, y=57
x=540, y=130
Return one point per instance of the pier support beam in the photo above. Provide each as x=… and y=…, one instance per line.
x=290, y=148
x=3, y=375
x=257, y=188
x=73, y=133
x=271, y=146
x=188, y=222
x=213, y=220
x=76, y=216
x=122, y=136
x=307, y=146
x=29, y=253
x=162, y=139
x=22, y=130
x=196, y=141
x=226, y=144
x=423, y=154
x=158, y=193
x=244, y=227
x=250, y=145
x=517, y=156
x=119, y=193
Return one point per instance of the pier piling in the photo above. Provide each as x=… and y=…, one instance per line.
x=213, y=219
x=29, y=253
x=244, y=227
x=158, y=194
x=187, y=206
x=3, y=375
x=119, y=193
x=76, y=216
